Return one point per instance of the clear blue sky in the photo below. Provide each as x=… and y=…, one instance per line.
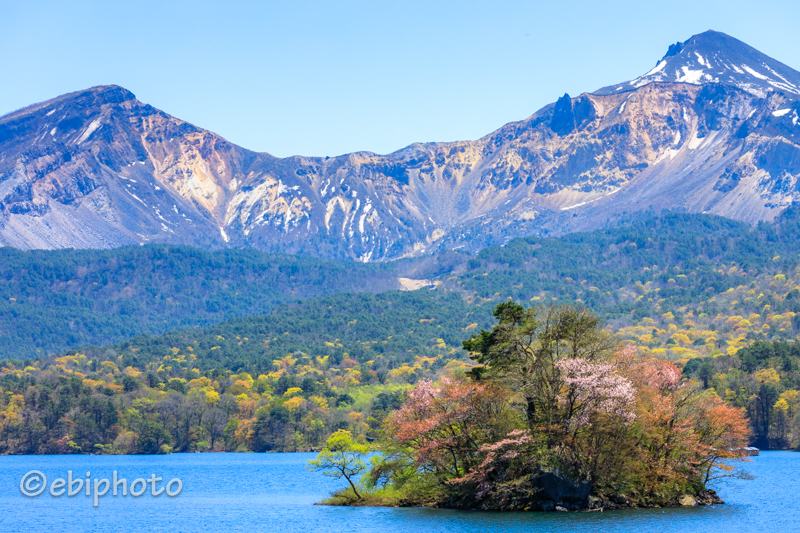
x=326, y=78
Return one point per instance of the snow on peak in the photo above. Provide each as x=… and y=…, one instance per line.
x=714, y=57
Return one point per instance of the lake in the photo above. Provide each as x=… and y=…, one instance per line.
x=274, y=492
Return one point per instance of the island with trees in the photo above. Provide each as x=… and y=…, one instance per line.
x=555, y=416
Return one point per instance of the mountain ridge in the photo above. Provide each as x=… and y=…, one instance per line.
x=723, y=56
x=99, y=169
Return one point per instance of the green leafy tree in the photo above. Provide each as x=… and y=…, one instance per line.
x=342, y=457
x=521, y=351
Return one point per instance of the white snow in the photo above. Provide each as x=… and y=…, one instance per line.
x=695, y=142
x=754, y=73
x=751, y=114
x=737, y=69
x=158, y=214
x=622, y=107
x=575, y=205
x=224, y=235
x=689, y=76
x=53, y=131
x=361, y=220
x=50, y=112
x=785, y=87
x=781, y=112
x=701, y=60
x=776, y=74
x=91, y=129
x=658, y=68
x=140, y=200
x=669, y=154
x=677, y=137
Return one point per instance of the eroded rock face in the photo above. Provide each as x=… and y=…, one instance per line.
x=98, y=169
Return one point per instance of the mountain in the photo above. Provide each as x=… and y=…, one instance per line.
x=713, y=57
x=712, y=128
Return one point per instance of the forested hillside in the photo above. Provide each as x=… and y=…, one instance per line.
x=697, y=290
x=765, y=380
x=51, y=301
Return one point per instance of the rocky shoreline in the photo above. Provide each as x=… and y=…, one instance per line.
x=592, y=504
x=549, y=492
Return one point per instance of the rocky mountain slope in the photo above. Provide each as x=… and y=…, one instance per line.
x=712, y=128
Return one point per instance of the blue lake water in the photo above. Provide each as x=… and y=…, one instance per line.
x=274, y=492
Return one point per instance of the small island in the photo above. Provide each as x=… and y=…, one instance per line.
x=554, y=416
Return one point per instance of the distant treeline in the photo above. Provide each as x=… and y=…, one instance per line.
x=51, y=301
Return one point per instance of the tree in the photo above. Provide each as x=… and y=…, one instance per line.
x=521, y=351
x=341, y=457
x=445, y=424
x=723, y=433
x=705, y=373
x=685, y=434
x=214, y=421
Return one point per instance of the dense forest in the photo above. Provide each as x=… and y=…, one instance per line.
x=251, y=384
x=764, y=379
x=53, y=301
x=697, y=290
x=59, y=299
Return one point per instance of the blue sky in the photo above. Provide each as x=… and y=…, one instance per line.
x=326, y=78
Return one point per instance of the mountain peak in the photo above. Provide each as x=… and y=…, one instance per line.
x=715, y=57
x=93, y=97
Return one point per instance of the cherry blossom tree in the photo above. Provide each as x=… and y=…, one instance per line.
x=446, y=424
